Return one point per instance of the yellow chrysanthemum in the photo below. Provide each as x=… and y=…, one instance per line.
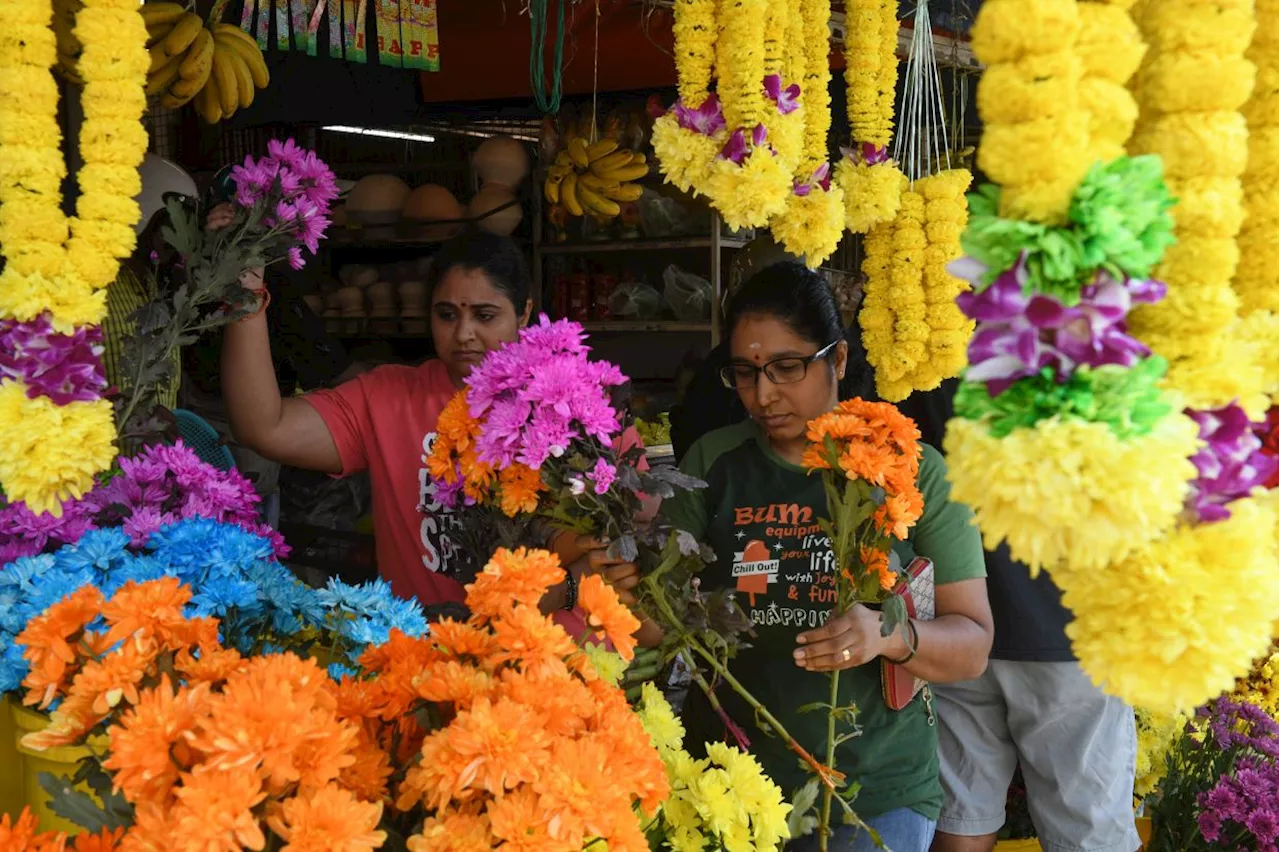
x=1261, y=687
x=49, y=452
x=1156, y=733
x=607, y=665
x=1156, y=628
x=1070, y=495
x=811, y=225
x=749, y=195
x=871, y=192
x=660, y=721
x=685, y=157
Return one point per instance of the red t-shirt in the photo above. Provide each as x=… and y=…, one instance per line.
x=384, y=421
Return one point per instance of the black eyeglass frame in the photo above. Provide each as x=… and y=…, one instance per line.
x=727, y=378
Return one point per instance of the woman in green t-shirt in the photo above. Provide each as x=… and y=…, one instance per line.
x=789, y=362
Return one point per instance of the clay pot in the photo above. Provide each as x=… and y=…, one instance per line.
x=377, y=200
x=431, y=203
x=355, y=275
x=492, y=197
x=382, y=299
x=413, y=299
x=315, y=302
x=501, y=161
x=350, y=301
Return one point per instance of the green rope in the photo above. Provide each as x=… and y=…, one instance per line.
x=548, y=103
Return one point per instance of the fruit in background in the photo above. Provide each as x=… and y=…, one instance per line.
x=501, y=161
x=432, y=213
x=594, y=178
x=237, y=70
x=492, y=197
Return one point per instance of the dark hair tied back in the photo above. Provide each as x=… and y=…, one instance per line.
x=801, y=298
x=496, y=256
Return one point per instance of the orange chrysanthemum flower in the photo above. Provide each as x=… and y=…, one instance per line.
x=453, y=455
x=359, y=699
x=876, y=562
x=150, y=610
x=149, y=745
x=449, y=831
x=327, y=820
x=518, y=489
x=50, y=639
x=461, y=640
x=20, y=835
x=106, y=840
x=453, y=682
x=367, y=776
x=532, y=640
x=608, y=616
x=215, y=809
x=213, y=665
x=513, y=577
x=492, y=747
x=564, y=702
x=899, y=513
x=519, y=820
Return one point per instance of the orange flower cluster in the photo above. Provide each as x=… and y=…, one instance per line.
x=68, y=661
x=21, y=835
x=453, y=459
x=536, y=752
x=874, y=443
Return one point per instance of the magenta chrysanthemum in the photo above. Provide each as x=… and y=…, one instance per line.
x=291, y=189
x=64, y=367
x=539, y=394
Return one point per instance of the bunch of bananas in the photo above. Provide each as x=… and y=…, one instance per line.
x=218, y=68
x=590, y=178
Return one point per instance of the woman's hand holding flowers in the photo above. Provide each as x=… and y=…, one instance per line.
x=848, y=640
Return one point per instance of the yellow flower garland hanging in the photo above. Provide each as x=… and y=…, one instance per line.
x=747, y=183
x=1191, y=86
x=50, y=452
x=895, y=331
x=945, y=215
x=1161, y=631
x=1258, y=272
x=870, y=181
x=1035, y=133
x=685, y=152
x=1111, y=48
x=812, y=223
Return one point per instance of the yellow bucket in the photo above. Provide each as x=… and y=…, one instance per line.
x=11, y=795
x=1029, y=844
x=62, y=761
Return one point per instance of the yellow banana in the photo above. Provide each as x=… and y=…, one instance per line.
x=551, y=188
x=569, y=195
x=184, y=32
x=638, y=159
x=157, y=34
x=625, y=192
x=248, y=51
x=185, y=88
x=597, y=204
x=244, y=80
x=562, y=159
x=622, y=174
x=159, y=59
x=171, y=101
x=578, y=152
x=161, y=13
x=610, y=162
x=198, y=60
x=209, y=103
x=225, y=76
x=597, y=183
x=596, y=150
x=159, y=81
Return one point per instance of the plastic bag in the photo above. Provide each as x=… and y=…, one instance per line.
x=635, y=300
x=690, y=296
x=663, y=217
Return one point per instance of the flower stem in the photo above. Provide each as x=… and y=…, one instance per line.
x=824, y=826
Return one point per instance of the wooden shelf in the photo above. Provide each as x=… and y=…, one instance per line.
x=639, y=245
x=661, y=326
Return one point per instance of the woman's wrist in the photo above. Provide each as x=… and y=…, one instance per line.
x=899, y=647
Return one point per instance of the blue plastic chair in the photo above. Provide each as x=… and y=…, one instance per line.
x=203, y=439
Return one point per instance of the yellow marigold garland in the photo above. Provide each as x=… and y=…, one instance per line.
x=49, y=452
x=945, y=216
x=870, y=181
x=1257, y=279
x=747, y=192
x=786, y=130
x=685, y=155
x=1035, y=135
x=1160, y=630
x=1190, y=88
x=1111, y=48
x=895, y=331
x=811, y=224
x=1059, y=491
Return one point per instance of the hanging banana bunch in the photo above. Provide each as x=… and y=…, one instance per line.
x=218, y=68
x=592, y=178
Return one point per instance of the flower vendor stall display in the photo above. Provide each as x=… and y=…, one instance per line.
x=870, y=179
x=868, y=454
x=912, y=330
x=1259, y=238
x=55, y=427
x=1191, y=87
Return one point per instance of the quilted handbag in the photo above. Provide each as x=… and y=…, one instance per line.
x=916, y=588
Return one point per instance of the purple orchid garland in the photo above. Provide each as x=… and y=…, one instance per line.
x=1019, y=333
x=64, y=367
x=1230, y=465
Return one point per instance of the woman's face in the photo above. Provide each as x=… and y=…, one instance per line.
x=783, y=410
x=470, y=317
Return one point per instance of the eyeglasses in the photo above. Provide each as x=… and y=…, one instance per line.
x=780, y=371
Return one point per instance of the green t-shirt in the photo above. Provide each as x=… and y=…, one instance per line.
x=760, y=515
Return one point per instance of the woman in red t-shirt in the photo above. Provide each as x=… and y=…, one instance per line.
x=384, y=421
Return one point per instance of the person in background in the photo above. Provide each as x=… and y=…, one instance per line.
x=161, y=180
x=789, y=362
x=1035, y=707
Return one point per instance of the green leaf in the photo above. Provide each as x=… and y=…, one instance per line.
x=801, y=821
x=71, y=804
x=893, y=614
x=815, y=706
